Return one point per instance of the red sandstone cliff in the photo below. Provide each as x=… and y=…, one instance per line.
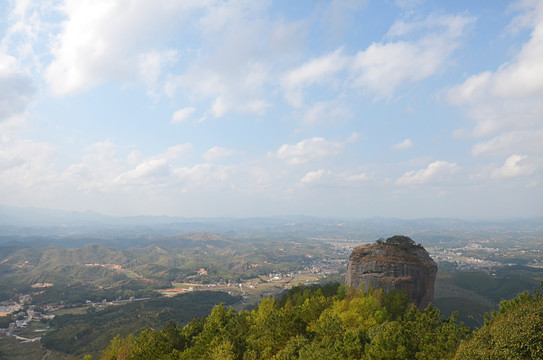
x=394, y=265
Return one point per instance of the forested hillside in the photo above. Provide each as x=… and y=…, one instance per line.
x=333, y=322
x=91, y=332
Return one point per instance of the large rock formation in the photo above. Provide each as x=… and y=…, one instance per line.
x=394, y=264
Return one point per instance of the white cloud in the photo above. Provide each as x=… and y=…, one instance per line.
x=228, y=70
x=154, y=170
x=133, y=158
x=317, y=70
x=258, y=107
x=145, y=173
x=407, y=4
x=16, y=88
x=383, y=67
x=98, y=167
x=219, y=108
x=449, y=26
x=28, y=172
x=438, y=171
x=221, y=15
x=102, y=169
x=506, y=103
x=240, y=88
x=357, y=177
x=25, y=162
x=472, y=90
x=331, y=178
x=327, y=112
x=522, y=141
x=103, y=40
x=201, y=175
x=176, y=151
x=233, y=73
x=312, y=177
x=513, y=168
x=151, y=65
x=218, y=153
x=404, y=145
x=25, y=29
x=183, y=114
x=354, y=137
x=308, y=150
x=338, y=15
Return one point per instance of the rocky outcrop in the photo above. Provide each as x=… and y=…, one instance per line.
x=397, y=264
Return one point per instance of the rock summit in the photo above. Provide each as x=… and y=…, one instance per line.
x=396, y=263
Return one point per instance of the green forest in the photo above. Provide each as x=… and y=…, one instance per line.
x=91, y=332
x=335, y=322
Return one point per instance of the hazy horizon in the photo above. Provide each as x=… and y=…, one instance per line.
x=401, y=109
x=24, y=211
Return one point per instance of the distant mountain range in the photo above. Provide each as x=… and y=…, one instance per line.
x=46, y=225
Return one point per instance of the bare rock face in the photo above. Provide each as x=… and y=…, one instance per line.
x=394, y=264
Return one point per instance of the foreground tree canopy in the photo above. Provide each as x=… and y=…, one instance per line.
x=333, y=322
x=515, y=331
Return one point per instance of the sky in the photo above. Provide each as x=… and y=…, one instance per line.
x=406, y=108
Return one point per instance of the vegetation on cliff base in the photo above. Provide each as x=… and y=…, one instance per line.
x=333, y=322
x=515, y=331
x=307, y=323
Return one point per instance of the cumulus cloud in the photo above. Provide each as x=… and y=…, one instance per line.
x=315, y=71
x=104, y=40
x=154, y=170
x=514, y=166
x=522, y=141
x=407, y=4
x=357, y=177
x=438, y=171
x=233, y=74
x=218, y=153
x=506, y=103
x=102, y=169
x=176, y=151
x=404, y=145
x=312, y=177
x=383, y=67
x=145, y=173
x=25, y=162
x=338, y=15
x=308, y=150
x=405, y=56
x=331, y=178
x=96, y=170
x=151, y=65
x=16, y=88
x=183, y=114
x=327, y=112
x=28, y=172
x=240, y=88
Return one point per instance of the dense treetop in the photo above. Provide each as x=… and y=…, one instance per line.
x=331, y=322
x=401, y=241
x=334, y=322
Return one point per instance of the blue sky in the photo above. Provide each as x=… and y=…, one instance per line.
x=406, y=108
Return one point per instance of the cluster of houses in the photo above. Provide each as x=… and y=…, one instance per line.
x=22, y=317
x=9, y=307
